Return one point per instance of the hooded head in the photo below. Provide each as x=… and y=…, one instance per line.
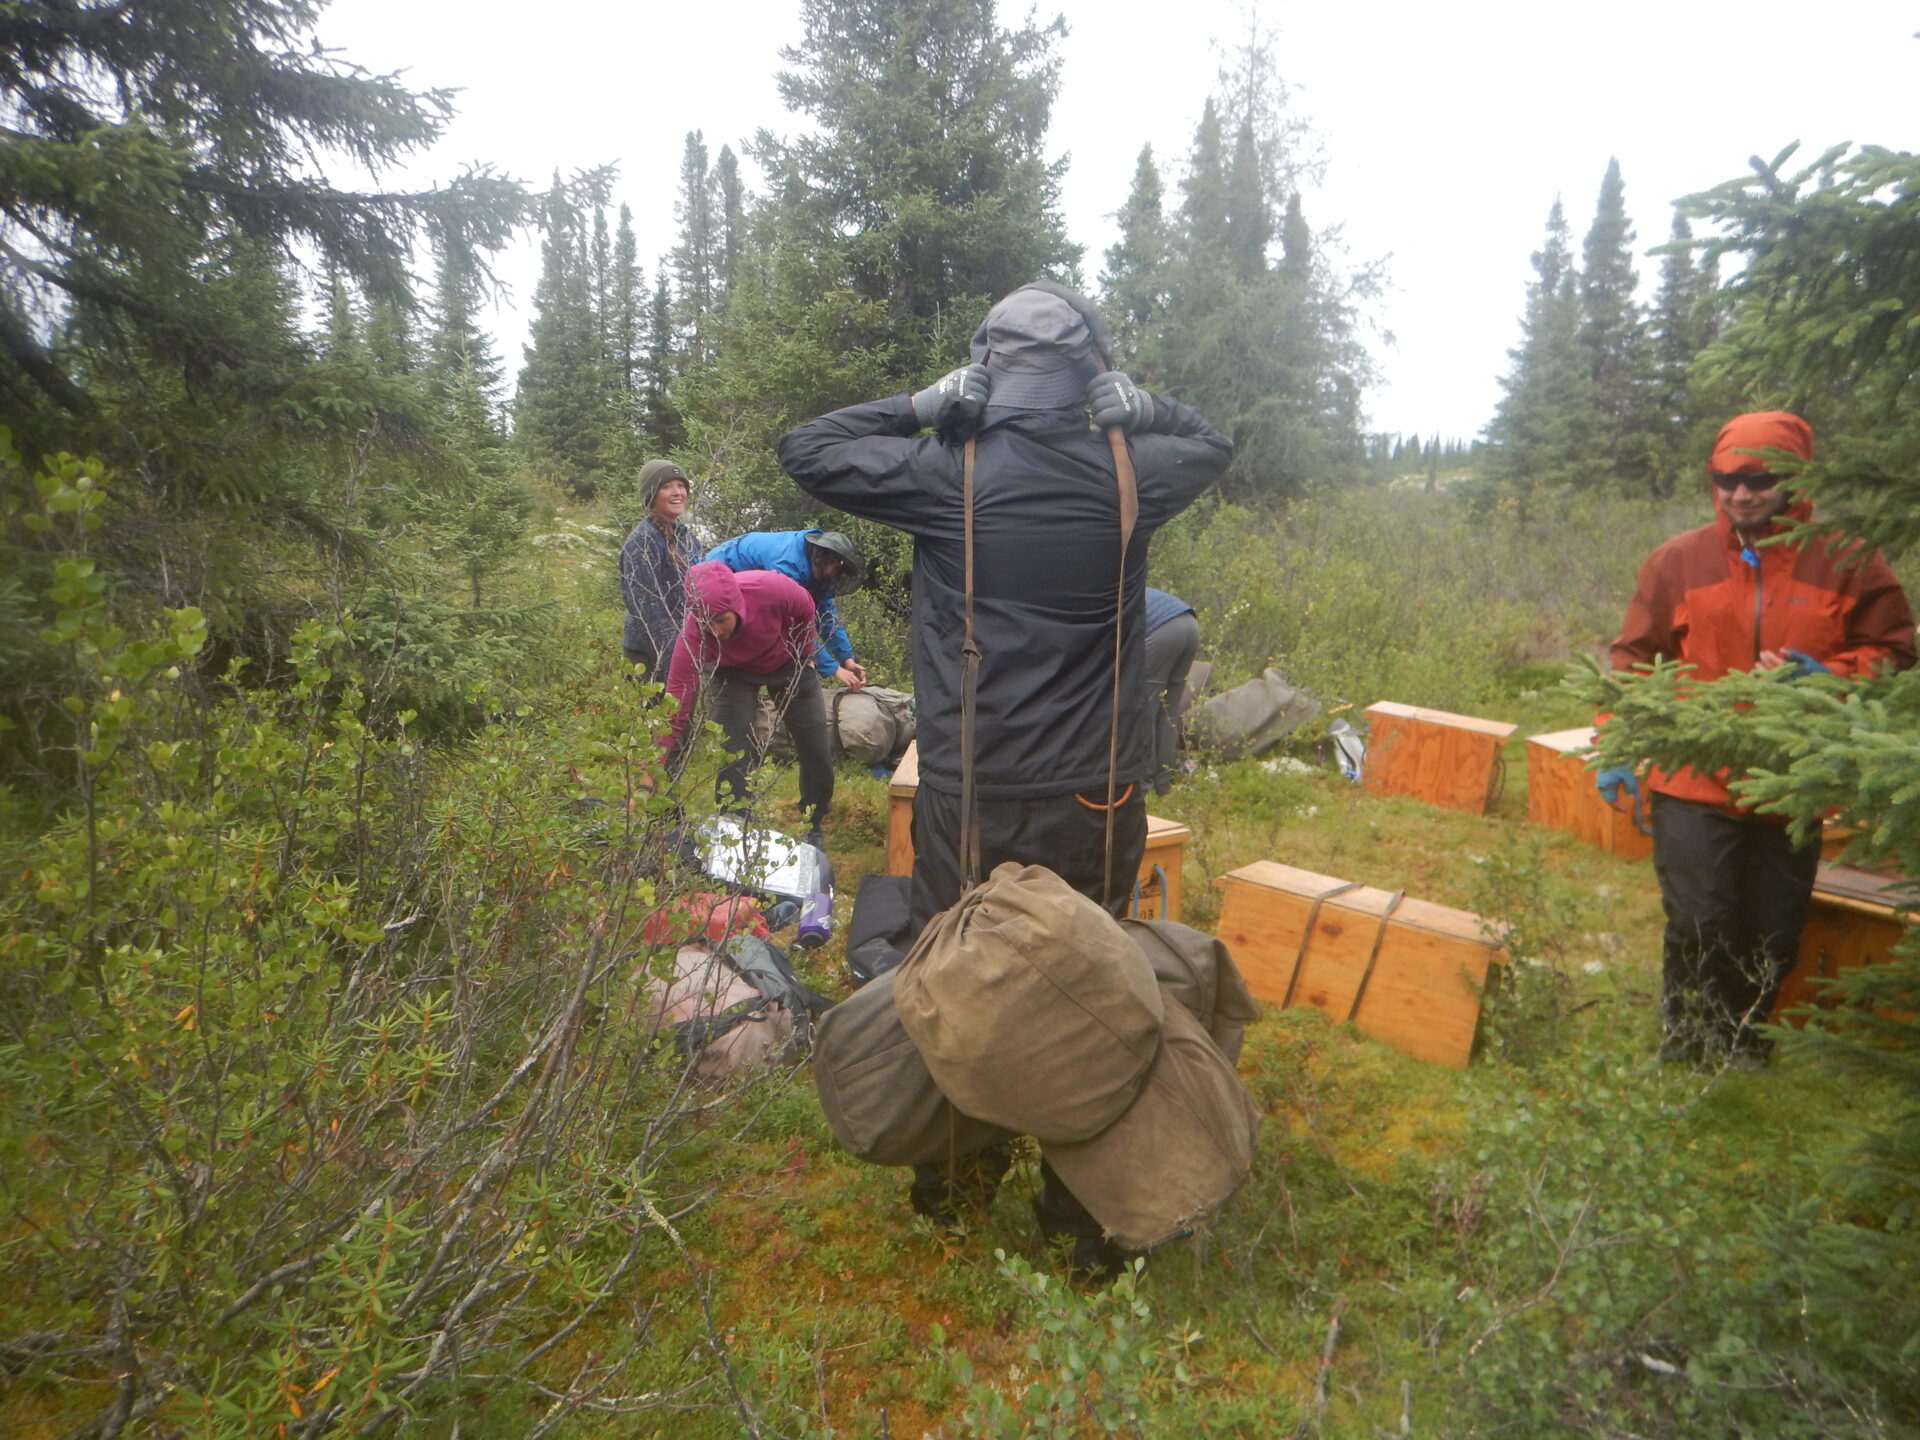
x=713, y=589
x=656, y=473
x=1038, y=350
x=1747, y=490
x=1760, y=430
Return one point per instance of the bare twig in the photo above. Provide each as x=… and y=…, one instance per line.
x=714, y=1342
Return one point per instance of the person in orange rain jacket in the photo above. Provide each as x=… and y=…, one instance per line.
x=1734, y=889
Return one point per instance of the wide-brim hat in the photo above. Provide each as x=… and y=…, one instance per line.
x=1038, y=350
x=852, y=570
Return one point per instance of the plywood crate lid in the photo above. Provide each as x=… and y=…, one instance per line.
x=1500, y=729
x=1869, y=890
x=1441, y=920
x=906, y=775
x=1565, y=742
x=1161, y=830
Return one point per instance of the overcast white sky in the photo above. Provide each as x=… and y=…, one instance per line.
x=1449, y=129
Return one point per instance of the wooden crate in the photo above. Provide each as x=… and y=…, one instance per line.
x=1158, y=893
x=1443, y=759
x=1561, y=795
x=1852, y=921
x=1158, y=882
x=1405, y=971
x=906, y=779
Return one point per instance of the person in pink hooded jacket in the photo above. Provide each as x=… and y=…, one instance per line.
x=745, y=633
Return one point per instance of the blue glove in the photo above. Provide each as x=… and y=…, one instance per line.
x=1610, y=781
x=1804, y=664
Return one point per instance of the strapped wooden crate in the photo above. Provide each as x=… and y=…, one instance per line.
x=1432, y=755
x=1405, y=971
x=1156, y=892
x=1853, y=920
x=1561, y=795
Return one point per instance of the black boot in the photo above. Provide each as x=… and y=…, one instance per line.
x=943, y=1196
x=1061, y=1216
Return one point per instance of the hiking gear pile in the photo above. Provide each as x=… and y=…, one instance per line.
x=1111, y=1043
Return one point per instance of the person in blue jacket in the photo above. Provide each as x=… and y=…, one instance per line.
x=825, y=563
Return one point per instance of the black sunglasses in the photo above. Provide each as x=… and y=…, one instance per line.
x=1755, y=483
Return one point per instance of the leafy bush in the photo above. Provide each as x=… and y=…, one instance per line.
x=323, y=1066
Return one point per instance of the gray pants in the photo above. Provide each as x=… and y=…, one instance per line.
x=1170, y=651
x=795, y=690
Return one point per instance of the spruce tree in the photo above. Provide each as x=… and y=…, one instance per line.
x=1267, y=349
x=1133, y=285
x=626, y=326
x=138, y=143
x=560, y=407
x=1249, y=219
x=1679, y=329
x=731, y=206
x=1614, y=334
x=923, y=185
x=1543, y=433
x=693, y=257
x=1204, y=204
x=666, y=431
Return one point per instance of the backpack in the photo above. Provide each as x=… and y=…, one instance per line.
x=736, y=1007
x=1250, y=717
x=872, y=725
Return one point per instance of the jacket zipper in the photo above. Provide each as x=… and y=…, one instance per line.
x=1756, y=612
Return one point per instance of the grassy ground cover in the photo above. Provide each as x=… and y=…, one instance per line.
x=1562, y=1239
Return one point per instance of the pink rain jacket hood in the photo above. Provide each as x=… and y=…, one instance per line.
x=775, y=629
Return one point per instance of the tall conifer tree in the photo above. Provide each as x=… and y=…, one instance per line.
x=1614, y=334
x=693, y=257
x=1134, y=283
x=923, y=186
x=1543, y=433
x=560, y=408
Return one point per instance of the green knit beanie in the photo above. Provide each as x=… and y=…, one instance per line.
x=656, y=473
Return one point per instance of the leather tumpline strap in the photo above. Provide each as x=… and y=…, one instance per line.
x=1129, y=498
x=1123, y=478
x=969, y=680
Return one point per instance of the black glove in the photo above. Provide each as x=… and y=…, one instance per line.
x=956, y=397
x=1115, y=400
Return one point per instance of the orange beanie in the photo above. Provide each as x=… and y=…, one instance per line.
x=1760, y=430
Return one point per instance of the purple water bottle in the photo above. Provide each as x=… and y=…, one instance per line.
x=816, y=905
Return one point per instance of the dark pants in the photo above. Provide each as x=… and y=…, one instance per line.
x=796, y=694
x=1062, y=832
x=1170, y=651
x=1736, y=894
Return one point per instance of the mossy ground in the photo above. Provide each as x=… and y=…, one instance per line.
x=827, y=1291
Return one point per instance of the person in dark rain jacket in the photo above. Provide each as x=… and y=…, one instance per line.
x=1046, y=525
x=1047, y=570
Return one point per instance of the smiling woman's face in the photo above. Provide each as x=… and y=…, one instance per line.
x=670, y=500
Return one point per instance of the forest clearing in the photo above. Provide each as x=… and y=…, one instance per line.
x=346, y=835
